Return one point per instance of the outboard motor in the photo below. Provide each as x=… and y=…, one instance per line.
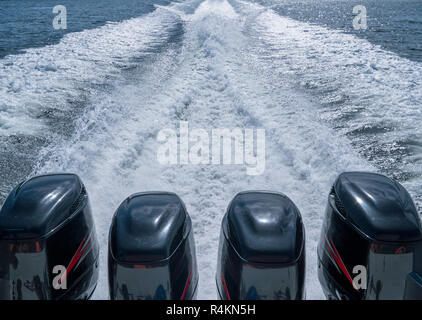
x=262, y=249
x=371, y=240
x=48, y=245
x=152, y=250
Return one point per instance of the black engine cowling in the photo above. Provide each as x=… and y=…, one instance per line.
x=262, y=249
x=152, y=250
x=371, y=240
x=48, y=245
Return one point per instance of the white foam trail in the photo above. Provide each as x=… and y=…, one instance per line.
x=215, y=7
x=49, y=77
x=375, y=89
x=359, y=69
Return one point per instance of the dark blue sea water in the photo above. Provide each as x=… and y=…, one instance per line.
x=28, y=23
x=394, y=24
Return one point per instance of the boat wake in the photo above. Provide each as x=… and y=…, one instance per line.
x=216, y=64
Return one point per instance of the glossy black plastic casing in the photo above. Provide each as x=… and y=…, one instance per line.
x=365, y=211
x=45, y=222
x=262, y=248
x=151, y=249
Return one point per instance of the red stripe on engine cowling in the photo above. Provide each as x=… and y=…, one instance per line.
x=76, y=257
x=225, y=286
x=186, y=285
x=334, y=253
